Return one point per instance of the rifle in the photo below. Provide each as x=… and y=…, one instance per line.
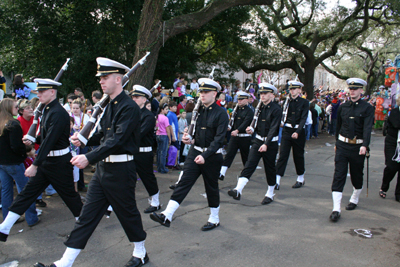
x=32, y=133
x=232, y=119
x=154, y=87
x=195, y=113
x=257, y=112
x=83, y=116
x=84, y=134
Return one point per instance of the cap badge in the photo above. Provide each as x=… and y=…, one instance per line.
x=203, y=83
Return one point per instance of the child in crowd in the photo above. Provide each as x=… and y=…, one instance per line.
x=30, y=152
x=179, y=89
x=31, y=155
x=74, y=152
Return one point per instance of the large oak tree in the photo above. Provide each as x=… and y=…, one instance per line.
x=154, y=30
x=307, y=33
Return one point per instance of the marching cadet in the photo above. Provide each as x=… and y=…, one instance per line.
x=114, y=181
x=52, y=164
x=392, y=148
x=240, y=139
x=144, y=160
x=265, y=145
x=353, y=135
x=293, y=134
x=204, y=157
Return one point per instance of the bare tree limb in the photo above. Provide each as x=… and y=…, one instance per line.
x=343, y=77
x=193, y=21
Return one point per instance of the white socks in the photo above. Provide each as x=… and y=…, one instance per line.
x=10, y=220
x=270, y=192
x=278, y=179
x=139, y=251
x=155, y=201
x=170, y=210
x=242, y=181
x=355, y=196
x=68, y=258
x=337, y=199
x=110, y=208
x=179, y=178
x=300, y=178
x=223, y=170
x=76, y=219
x=214, y=215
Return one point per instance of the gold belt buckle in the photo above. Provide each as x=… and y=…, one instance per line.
x=353, y=141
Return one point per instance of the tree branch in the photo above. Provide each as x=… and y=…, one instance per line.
x=292, y=64
x=195, y=20
x=343, y=77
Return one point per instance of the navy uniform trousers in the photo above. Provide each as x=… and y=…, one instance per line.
x=348, y=154
x=235, y=143
x=191, y=171
x=112, y=184
x=392, y=167
x=57, y=171
x=298, y=151
x=268, y=157
x=144, y=167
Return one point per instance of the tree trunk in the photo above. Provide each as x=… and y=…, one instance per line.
x=150, y=39
x=153, y=31
x=308, y=80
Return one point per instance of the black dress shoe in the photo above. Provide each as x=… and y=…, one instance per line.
x=266, y=200
x=136, y=262
x=3, y=237
x=40, y=203
x=234, y=193
x=298, y=184
x=209, y=226
x=39, y=264
x=221, y=177
x=152, y=209
x=160, y=218
x=172, y=186
x=335, y=215
x=277, y=187
x=351, y=206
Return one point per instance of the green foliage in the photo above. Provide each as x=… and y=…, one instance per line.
x=196, y=51
x=37, y=36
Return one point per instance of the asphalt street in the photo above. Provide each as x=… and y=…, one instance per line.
x=294, y=230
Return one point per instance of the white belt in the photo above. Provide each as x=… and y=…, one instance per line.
x=243, y=135
x=290, y=126
x=205, y=149
x=118, y=158
x=350, y=141
x=145, y=149
x=259, y=137
x=58, y=153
